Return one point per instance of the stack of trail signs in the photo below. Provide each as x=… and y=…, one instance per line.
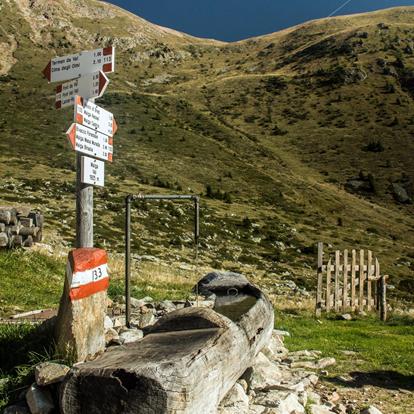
x=19, y=228
x=91, y=134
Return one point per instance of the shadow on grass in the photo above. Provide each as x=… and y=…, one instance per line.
x=391, y=380
x=21, y=348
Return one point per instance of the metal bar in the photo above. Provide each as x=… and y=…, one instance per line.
x=128, y=260
x=196, y=220
x=164, y=197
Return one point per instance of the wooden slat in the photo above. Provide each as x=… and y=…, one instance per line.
x=353, y=274
x=328, y=287
x=345, y=289
x=337, y=263
x=320, y=280
x=341, y=268
x=361, y=280
x=384, y=298
x=369, y=271
x=377, y=290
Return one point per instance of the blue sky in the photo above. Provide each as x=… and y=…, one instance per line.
x=239, y=19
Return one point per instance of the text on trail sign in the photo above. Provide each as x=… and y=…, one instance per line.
x=64, y=68
x=92, y=171
x=94, y=117
x=90, y=142
x=89, y=86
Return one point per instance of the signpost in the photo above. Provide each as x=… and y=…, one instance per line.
x=89, y=86
x=61, y=69
x=93, y=171
x=87, y=141
x=94, y=117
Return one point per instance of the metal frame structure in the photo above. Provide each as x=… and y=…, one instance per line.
x=129, y=200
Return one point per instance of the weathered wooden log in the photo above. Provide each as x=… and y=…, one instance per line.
x=28, y=241
x=185, y=364
x=16, y=241
x=4, y=239
x=26, y=221
x=29, y=231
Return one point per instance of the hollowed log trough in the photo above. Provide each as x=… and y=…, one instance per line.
x=185, y=364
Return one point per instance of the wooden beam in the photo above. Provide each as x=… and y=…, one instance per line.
x=369, y=272
x=345, y=288
x=328, y=287
x=361, y=279
x=320, y=280
x=336, y=296
x=353, y=274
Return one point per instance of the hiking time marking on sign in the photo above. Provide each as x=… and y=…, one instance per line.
x=68, y=67
x=93, y=116
x=92, y=171
x=90, y=142
x=89, y=86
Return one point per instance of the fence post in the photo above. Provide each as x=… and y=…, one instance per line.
x=369, y=275
x=353, y=281
x=320, y=280
x=384, y=298
x=377, y=285
x=361, y=279
x=345, y=289
x=128, y=201
x=328, y=287
x=337, y=265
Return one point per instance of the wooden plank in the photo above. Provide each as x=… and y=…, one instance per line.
x=361, y=280
x=328, y=287
x=345, y=288
x=377, y=290
x=369, y=267
x=384, y=298
x=320, y=280
x=337, y=263
x=353, y=274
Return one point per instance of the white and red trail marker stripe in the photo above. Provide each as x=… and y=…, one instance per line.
x=60, y=69
x=92, y=85
x=93, y=116
x=87, y=272
x=90, y=142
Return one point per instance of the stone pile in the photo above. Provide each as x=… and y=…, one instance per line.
x=279, y=382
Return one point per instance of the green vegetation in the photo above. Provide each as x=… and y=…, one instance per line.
x=376, y=346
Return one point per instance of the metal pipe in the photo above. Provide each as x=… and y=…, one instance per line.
x=128, y=201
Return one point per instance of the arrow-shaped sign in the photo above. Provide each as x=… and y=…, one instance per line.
x=64, y=68
x=94, y=117
x=90, y=142
x=92, y=85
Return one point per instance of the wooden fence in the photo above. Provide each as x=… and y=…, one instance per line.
x=351, y=281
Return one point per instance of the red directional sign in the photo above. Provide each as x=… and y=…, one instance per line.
x=90, y=142
x=64, y=68
x=91, y=85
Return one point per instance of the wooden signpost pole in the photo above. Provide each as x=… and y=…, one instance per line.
x=84, y=209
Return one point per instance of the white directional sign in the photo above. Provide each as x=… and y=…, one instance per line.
x=64, y=68
x=93, y=116
x=90, y=142
x=92, y=171
x=91, y=85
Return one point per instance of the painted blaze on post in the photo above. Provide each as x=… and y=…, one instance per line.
x=87, y=272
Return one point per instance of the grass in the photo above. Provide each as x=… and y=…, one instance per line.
x=378, y=346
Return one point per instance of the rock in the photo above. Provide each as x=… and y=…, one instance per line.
x=257, y=409
x=275, y=350
x=165, y=305
x=334, y=397
x=111, y=335
x=326, y=362
x=144, y=319
x=314, y=398
x=400, y=194
x=118, y=322
x=304, y=364
x=291, y=405
x=108, y=323
x=244, y=384
x=263, y=375
x=346, y=317
x=319, y=409
x=339, y=409
x=236, y=401
x=136, y=303
x=371, y=410
x=80, y=322
x=280, y=333
x=19, y=408
x=39, y=400
x=131, y=335
x=50, y=373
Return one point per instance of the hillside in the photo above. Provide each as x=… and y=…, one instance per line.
x=299, y=136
